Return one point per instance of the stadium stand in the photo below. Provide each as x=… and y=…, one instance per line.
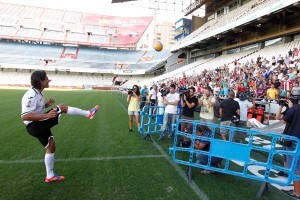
x=213, y=26
x=196, y=68
x=63, y=27
x=7, y=30
x=65, y=79
x=14, y=54
x=24, y=32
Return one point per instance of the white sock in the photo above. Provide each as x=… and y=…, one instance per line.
x=77, y=111
x=49, y=162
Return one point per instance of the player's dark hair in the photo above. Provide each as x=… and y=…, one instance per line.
x=37, y=77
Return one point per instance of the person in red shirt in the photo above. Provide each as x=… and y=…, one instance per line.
x=241, y=88
x=287, y=83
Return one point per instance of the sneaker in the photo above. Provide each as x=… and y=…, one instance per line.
x=54, y=178
x=130, y=131
x=93, y=112
x=291, y=194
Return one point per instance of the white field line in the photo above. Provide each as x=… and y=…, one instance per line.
x=82, y=159
x=181, y=173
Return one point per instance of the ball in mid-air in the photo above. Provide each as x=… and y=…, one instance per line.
x=157, y=46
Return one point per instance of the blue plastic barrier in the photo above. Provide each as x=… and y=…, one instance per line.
x=233, y=152
x=152, y=119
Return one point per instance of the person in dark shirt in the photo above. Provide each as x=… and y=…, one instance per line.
x=260, y=91
x=277, y=83
x=279, y=116
x=188, y=103
x=293, y=114
x=229, y=107
x=217, y=106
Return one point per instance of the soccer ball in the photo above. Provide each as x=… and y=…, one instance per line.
x=157, y=46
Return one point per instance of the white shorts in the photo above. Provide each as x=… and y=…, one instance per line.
x=133, y=112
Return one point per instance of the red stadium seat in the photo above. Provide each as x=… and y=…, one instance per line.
x=250, y=113
x=260, y=114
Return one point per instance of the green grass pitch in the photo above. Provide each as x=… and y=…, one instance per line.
x=100, y=159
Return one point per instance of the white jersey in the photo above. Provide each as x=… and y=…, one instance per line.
x=171, y=98
x=33, y=102
x=159, y=99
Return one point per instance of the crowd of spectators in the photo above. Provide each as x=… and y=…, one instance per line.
x=255, y=80
x=221, y=94
x=267, y=79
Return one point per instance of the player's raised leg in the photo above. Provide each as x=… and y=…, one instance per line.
x=62, y=108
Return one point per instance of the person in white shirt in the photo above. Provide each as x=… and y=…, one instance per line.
x=171, y=103
x=244, y=106
x=152, y=99
x=153, y=96
x=160, y=98
x=39, y=122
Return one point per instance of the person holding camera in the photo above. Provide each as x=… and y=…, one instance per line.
x=292, y=121
x=207, y=102
x=171, y=102
x=287, y=103
x=162, y=92
x=134, y=98
x=188, y=104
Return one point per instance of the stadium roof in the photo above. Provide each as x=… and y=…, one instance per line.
x=120, y=1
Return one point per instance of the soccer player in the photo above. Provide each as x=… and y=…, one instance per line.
x=39, y=123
